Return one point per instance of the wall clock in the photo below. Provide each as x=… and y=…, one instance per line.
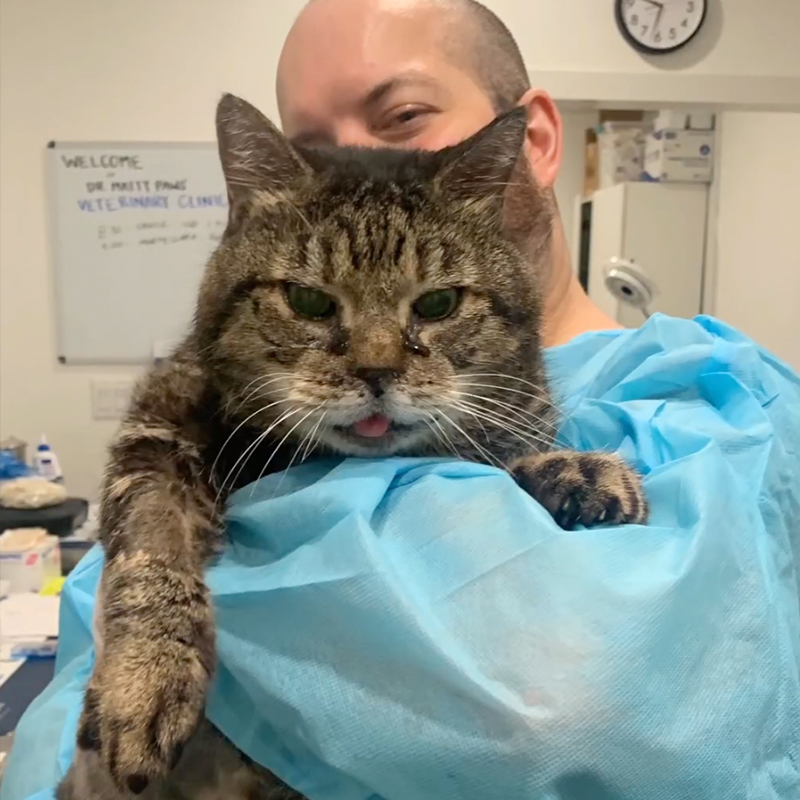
x=660, y=26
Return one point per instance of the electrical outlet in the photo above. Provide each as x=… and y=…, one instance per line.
x=110, y=398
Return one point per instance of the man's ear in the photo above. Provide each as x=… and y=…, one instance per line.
x=481, y=167
x=543, y=138
x=255, y=155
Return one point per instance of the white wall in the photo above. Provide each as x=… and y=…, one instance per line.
x=153, y=70
x=100, y=70
x=570, y=177
x=758, y=231
x=749, y=37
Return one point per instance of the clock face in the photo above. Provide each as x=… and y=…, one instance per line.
x=660, y=26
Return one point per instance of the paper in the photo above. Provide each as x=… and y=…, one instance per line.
x=8, y=666
x=28, y=616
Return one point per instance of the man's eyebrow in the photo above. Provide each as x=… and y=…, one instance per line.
x=385, y=88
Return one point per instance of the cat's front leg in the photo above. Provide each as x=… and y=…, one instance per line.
x=155, y=631
x=583, y=488
x=151, y=676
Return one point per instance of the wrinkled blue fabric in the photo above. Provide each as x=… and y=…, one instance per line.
x=422, y=630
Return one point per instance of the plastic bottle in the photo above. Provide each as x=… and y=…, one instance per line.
x=45, y=462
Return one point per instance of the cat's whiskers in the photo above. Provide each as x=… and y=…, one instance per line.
x=544, y=402
x=443, y=436
x=236, y=430
x=244, y=457
x=306, y=440
x=313, y=442
x=544, y=395
x=262, y=386
x=525, y=434
x=530, y=427
x=540, y=403
x=482, y=450
x=280, y=444
x=524, y=414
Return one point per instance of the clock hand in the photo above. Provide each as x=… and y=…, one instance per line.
x=658, y=18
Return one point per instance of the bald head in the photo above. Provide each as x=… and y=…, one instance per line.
x=474, y=38
x=478, y=40
x=405, y=73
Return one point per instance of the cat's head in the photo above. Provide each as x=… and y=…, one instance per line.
x=379, y=301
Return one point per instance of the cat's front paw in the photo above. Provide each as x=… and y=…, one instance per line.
x=143, y=703
x=583, y=488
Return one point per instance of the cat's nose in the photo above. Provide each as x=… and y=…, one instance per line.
x=377, y=378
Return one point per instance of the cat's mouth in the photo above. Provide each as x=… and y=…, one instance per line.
x=374, y=431
x=372, y=427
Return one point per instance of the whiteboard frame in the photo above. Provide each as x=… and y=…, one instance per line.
x=52, y=234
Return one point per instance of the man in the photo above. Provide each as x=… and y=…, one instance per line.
x=425, y=74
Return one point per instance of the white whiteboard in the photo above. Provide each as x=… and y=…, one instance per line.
x=132, y=228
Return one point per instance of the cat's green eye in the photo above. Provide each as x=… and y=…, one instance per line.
x=309, y=302
x=437, y=305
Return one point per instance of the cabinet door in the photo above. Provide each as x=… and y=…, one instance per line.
x=665, y=233
x=608, y=223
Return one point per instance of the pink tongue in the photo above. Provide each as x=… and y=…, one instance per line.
x=373, y=426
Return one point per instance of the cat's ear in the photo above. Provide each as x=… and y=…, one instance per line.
x=482, y=166
x=255, y=155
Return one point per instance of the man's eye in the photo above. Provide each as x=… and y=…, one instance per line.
x=407, y=116
x=402, y=119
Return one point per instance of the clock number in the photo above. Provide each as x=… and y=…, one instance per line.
x=673, y=34
x=635, y=19
x=645, y=28
x=690, y=6
x=685, y=23
x=630, y=3
x=657, y=37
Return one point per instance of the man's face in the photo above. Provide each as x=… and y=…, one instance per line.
x=375, y=74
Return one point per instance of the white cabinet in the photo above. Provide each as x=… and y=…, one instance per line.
x=661, y=227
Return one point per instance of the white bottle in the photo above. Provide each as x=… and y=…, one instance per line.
x=45, y=462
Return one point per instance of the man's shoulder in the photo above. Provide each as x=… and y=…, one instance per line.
x=674, y=387
x=664, y=357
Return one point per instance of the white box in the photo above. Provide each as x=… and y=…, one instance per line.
x=702, y=121
x=29, y=557
x=669, y=119
x=686, y=156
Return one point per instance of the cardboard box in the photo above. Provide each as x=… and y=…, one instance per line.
x=29, y=558
x=591, y=164
x=680, y=156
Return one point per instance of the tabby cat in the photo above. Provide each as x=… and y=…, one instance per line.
x=361, y=302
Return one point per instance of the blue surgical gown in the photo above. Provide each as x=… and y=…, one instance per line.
x=422, y=630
